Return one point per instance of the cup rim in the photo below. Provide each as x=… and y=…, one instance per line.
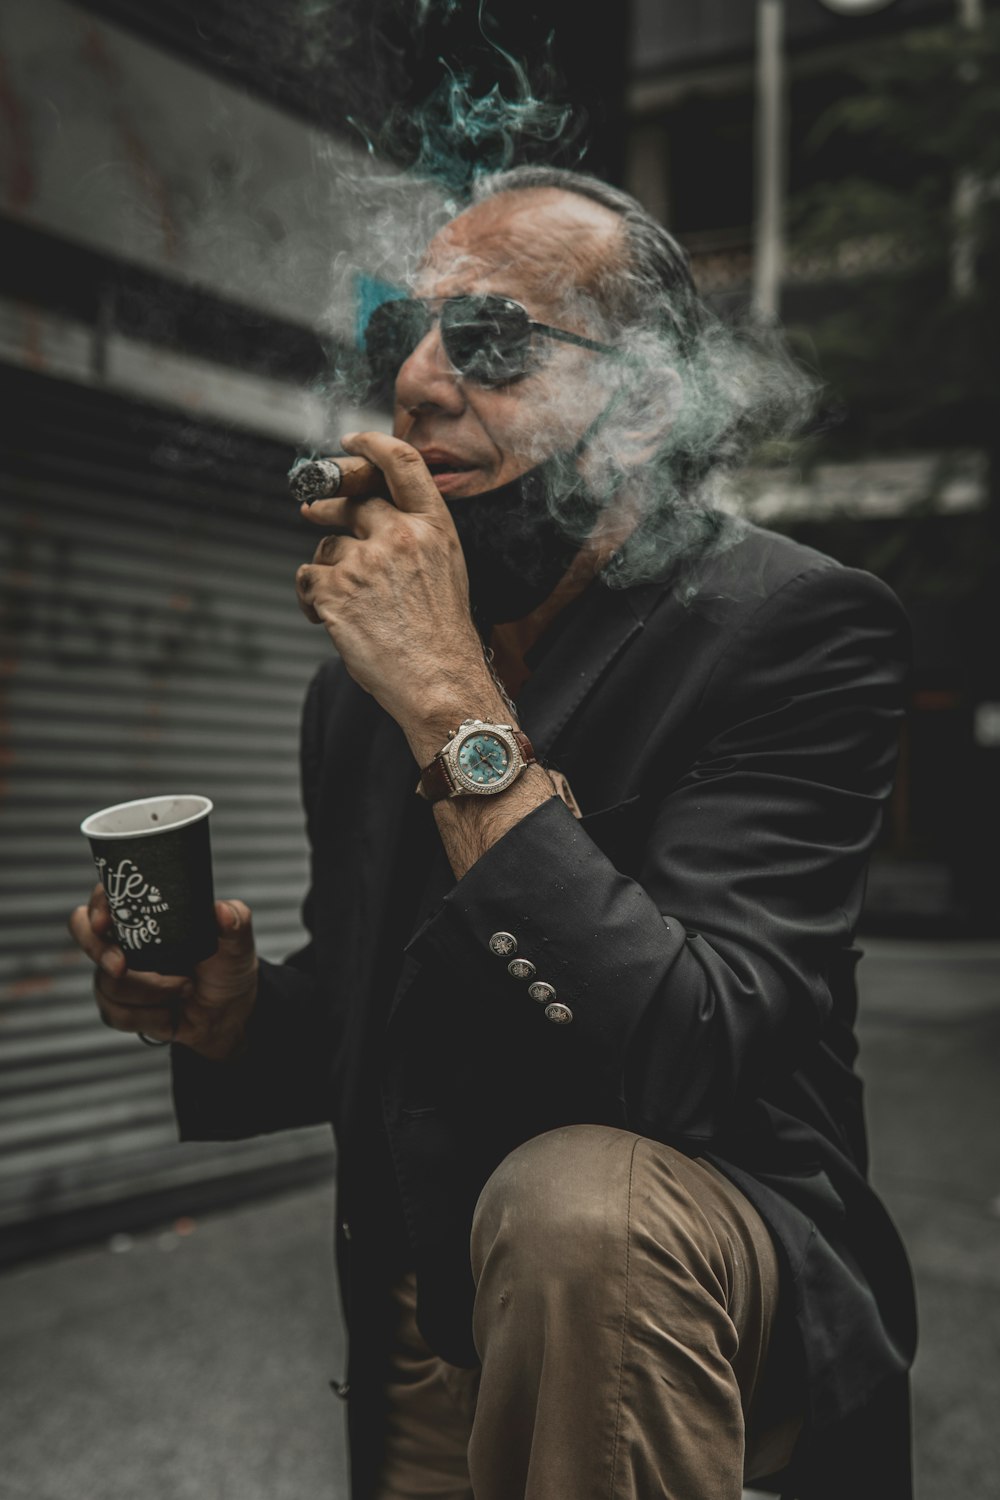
x=144, y=833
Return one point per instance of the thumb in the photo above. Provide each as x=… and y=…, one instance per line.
x=409, y=480
x=234, y=920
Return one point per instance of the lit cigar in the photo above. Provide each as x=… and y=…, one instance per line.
x=323, y=478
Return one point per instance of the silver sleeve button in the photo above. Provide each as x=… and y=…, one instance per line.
x=560, y=1014
x=520, y=968
x=541, y=992
x=503, y=944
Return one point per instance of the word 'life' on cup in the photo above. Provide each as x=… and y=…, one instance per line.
x=154, y=859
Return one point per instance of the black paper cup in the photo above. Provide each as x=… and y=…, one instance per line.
x=155, y=863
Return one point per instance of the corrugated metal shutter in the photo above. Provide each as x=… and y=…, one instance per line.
x=152, y=644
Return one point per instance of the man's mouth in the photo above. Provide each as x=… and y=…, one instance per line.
x=447, y=470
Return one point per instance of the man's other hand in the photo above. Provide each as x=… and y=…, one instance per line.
x=206, y=1012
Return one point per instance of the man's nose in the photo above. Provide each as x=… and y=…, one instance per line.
x=426, y=377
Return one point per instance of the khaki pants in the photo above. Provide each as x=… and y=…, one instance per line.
x=625, y=1297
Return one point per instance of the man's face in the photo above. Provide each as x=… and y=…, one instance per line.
x=538, y=247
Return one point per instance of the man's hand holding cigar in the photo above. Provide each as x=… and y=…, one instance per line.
x=390, y=586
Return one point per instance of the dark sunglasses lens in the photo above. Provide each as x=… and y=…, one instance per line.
x=487, y=339
x=394, y=330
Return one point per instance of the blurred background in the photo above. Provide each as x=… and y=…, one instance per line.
x=190, y=192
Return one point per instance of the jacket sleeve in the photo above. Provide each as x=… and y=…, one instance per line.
x=691, y=982
x=282, y=1079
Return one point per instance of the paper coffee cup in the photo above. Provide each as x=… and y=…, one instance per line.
x=155, y=863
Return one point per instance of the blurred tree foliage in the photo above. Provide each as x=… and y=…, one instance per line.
x=911, y=351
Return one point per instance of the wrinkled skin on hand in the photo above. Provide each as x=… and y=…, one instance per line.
x=206, y=1011
x=393, y=594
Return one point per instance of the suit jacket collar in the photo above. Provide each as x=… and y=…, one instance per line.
x=608, y=621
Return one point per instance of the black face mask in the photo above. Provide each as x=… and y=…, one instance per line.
x=515, y=551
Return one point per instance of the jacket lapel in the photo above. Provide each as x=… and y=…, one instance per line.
x=589, y=647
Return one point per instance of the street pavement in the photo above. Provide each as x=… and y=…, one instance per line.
x=194, y=1362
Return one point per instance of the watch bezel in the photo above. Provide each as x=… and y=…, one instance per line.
x=461, y=781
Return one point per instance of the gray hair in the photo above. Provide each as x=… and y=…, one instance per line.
x=657, y=277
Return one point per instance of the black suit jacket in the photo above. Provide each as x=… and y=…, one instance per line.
x=730, y=738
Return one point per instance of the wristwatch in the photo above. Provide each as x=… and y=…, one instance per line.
x=479, y=760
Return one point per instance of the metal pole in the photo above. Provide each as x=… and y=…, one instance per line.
x=769, y=171
x=968, y=191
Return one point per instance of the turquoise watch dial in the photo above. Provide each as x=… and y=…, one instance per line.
x=484, y=759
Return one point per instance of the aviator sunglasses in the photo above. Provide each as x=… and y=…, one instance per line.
x=487, y=338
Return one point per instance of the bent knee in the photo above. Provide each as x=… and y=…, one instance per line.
x=589, y=1188
x=568, y=1187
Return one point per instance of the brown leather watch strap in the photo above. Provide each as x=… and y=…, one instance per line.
x=435, y=780
x=435, y=783
x=525, y=746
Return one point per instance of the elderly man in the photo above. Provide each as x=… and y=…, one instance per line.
x=580, y=1005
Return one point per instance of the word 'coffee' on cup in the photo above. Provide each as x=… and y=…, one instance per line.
x=155, y=862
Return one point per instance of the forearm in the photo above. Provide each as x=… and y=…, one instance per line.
x=469, y=826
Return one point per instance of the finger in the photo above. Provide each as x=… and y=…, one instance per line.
x=234, y=921
x=233, y=966
x=136, y=989
x=98, y=946
x=100, y=909
x=154, y=1021
x=334, y=549
x=314, y=581
x=410, y=482
x=306, y=578
x=353, y=517
x=155, y=1017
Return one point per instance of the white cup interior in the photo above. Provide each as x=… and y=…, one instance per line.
x=148, y=815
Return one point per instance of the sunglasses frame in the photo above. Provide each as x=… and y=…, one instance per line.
x=483, y=300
